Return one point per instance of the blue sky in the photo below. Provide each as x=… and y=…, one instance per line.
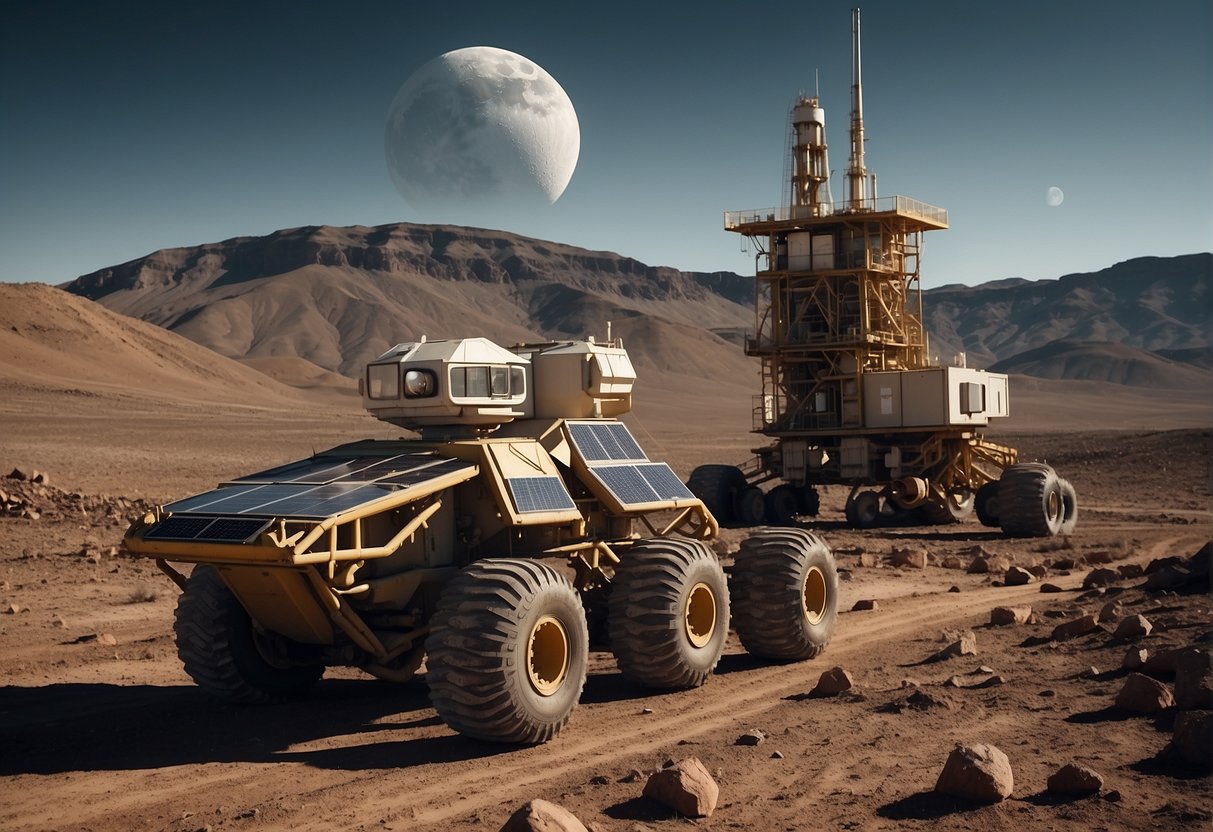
x=129, y=127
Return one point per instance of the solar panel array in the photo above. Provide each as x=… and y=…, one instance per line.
x=209, y=529
x=318, y=487
x=539, y=494
x=603, y=446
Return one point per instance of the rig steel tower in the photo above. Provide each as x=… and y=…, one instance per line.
x=849, y=393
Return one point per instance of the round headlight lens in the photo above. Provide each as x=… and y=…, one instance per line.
x=418, y=384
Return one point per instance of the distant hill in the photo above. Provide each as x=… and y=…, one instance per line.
x=54, y=341
x=306, y=304
x=1102, y=361
x=1153, y=303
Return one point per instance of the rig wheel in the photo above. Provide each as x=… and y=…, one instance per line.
x=782, y=505
x=1030, y=501
x=718, y=486
x=228, y=656
x=669, y=615
x=986, y=504
x=751, y=507
x=863, y=510
x=1069, y=507
x=810, y=500
x=785, y=586
x=944, y=508
x=507, y=651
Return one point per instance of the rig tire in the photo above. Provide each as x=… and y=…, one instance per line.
x=986, y=504
x=669, y=615
x=784, y=584
x=225, y=654
x=751, y=507
x=1069, y=508
x=782, y=505
x=507, y=649
x=863, y=512
x=1030, y=501
x=718, y=486
x=948, y=507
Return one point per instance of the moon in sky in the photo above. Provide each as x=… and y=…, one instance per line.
x=481, y=127
x=1054, y=196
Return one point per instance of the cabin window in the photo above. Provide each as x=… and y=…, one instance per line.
x=383, y=381
x=490, y=381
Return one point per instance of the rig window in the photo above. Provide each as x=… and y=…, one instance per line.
x=383, y=381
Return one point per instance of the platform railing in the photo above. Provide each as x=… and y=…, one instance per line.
x=899, y=204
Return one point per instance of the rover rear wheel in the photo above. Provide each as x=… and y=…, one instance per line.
x=228, y=656
x=718, y=486
x=955, y=505
x=785, y=589
x=507, y=651
x=669, y=614
x=751, y=507
x=986, y=504
x=1030, y=501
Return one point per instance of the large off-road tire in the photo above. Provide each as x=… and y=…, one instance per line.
x=669, y=613
x=782, y=505
x=718, y=486
x=945, y=508
x=986, y=504
x=784, y=587
x=1030, y=501
x=810, y=500
x=228, y=656
x=751, y=507
x=507, y=651
x=863, y=511
x=1069, y=507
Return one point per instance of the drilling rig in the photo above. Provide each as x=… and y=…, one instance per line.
x=850, y=393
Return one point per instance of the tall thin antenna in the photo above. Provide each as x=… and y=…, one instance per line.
x=817, y=83
x=857, y=174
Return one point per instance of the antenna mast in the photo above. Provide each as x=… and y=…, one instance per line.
x=857, y=174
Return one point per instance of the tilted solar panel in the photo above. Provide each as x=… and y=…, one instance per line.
x=539, y=494
x=606, y=441
x=209, y=529
x=647, y=483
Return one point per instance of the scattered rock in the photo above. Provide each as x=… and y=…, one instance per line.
x=1135, y=626
x=1144, y=695
x=1135, y=659
x=1038, y=570
x=953, y=588
x=1162, y=664
x=646, y=711
x=1111, y=611
x=687, y=788
x=776, y=755
x=106, y=639
x=865, y=604
x=1074, y=779
x=966, y=645
x=833, y=682
x=13, y=609
x=18, y=474
x=1100, y=577
x=952, y=562
x=59, y=621
x=1065, y=563
x=1002, y=616
x=1193, y=680
x=1192, y=740
x=1090, y=673
x=1130, y=570
x=911, y=558
x=981, y=773
x=1074, y=628
x=1112, y=796
x=633, y=776
x=1050, y=588
x=1098, y=557
x=982, y=564
x=1018, y=576
x=751, y=737
x=542, y=816
x=599, y=780
x=868, y=560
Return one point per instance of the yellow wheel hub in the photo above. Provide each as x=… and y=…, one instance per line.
x=700, y=615
x=814, y=597
x=547, y=655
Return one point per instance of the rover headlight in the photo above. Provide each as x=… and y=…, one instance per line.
x=419, y=384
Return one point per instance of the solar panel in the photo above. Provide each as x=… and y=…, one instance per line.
x=209, y=529
x=605, y=441
x=282, y=500
x=647, y=483
x=539, y=494
x=323, y=470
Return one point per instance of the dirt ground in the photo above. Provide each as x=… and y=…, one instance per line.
x=100, y=729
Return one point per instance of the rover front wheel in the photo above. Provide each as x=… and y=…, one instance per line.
x=718, y=486
x=863, y=510
x=225, y=653
x=785, y=589
x=507, y=649
x=986, y=504
x=669, y=615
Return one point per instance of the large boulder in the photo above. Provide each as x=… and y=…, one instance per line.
x=1193, y=680
x=1135, y=626
x=833, y=682
x=1018, y=576
x=1002, y=616
x=1076, y=780
x=1100, y=577
x=1076, y=627
x=686, y=787
x=542, y=816
x=981, y=773
x=1144, y=695
x=910, y=558
x=1192, y=740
